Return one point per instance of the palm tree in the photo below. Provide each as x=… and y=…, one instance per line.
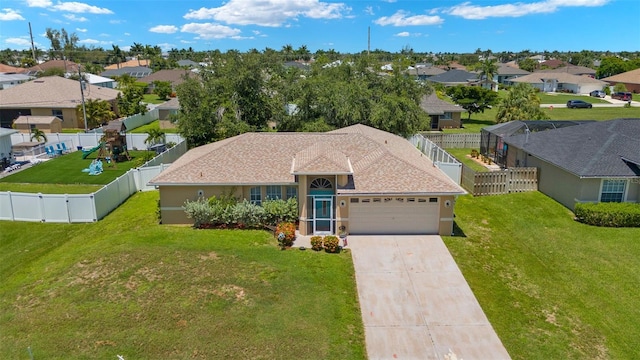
x=287, y=51
x=137, y=49
x=488, y=69
x=116, y=56
x=38, y=135
x=98, y=112
x=154, y=136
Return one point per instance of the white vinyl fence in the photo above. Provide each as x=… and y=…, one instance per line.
x=78, y=208
x=80, y=140
x=441, y=159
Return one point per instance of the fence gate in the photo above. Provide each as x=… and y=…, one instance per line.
x=507, y=181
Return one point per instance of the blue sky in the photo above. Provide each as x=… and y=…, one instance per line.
x=425, y=26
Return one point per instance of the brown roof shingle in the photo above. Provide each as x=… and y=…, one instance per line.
x=381, y=163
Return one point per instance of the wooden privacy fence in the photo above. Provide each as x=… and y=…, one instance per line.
x=454, y=141
x=507, y=181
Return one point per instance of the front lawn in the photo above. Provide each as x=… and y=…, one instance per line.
x=551, y=287
x=128, y=286
x=67, y=169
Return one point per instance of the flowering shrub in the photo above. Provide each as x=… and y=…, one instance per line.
x=331, y=244
x=316, y=243
x=286, y=234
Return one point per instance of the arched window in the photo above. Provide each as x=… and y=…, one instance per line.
x=321, y=183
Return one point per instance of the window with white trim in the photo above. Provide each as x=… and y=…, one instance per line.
x=255, y=196
x=292, y=192
x=613, y=190
x=274, y=192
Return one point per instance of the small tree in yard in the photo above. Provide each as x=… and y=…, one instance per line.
x=162, y=89
x=474, y=99
x=521, y=103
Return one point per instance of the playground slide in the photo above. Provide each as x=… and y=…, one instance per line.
x=86, y=153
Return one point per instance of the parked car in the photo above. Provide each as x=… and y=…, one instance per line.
x=572, y=104
x=597, y=93
x=621, y=95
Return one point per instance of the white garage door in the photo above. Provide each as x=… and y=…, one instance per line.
x=398, y=215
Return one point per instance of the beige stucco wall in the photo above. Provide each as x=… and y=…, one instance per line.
x=446, y=215
x=454, y=123
x=70, y=117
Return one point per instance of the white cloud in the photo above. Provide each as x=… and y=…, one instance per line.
x=166, y=46
x=273, y=13
x=402, y=18
x=369, y=10
x=77, y=7
x=73, y=17
x=127, y=34
x=39, y=3
x=469, y=11
x=402, y=34
x=10, y=14
x=91, y=41
x=81, y=30
x=116, y=22
x=210, y=31
x=164, y=29
x=19, y=41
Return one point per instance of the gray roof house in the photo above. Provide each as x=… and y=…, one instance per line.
x=547, y=81
x=188, y=63
x=591, y=162
x=454, y=77
x=506, y=72
x=442, y=114
x=137, y=72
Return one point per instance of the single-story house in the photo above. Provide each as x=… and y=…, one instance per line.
x=188, y=63
x=137, y=72
x=8, y=69
x=48, y=124
x=5, y=145
x=129, y=63
x=547, y=81
x=591, y=162
x=573, y=70
x=360, y=179
x=11, y=80
x=51, y=96
x=67, y=66
x=506, y=72
x=165, y=110
x=630, y=79
x=173, y=76
x=425, y=72
x=454, y=77
x=443, y=115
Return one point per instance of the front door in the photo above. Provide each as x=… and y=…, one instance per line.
x=323, y=213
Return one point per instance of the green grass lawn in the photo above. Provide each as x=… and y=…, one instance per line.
x=462, y=155
x=551, y=287
x=128, y=286
x=152, y=99
x=152, y=125
x=49, y=188
x=67, y=169
x=558, y=98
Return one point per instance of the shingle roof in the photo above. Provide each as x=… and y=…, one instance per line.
x=174, y=76
x=454, y=76
x=129, y=63
x=597, y=149
x=65, y=65
x=629, y=77
x=10, y=69
x=134, y=71
x=571, y=69
x=171, y=104
x=52, y=91
x=379, y=161
x=504, y=69
x=563, y=77
x=434, y=106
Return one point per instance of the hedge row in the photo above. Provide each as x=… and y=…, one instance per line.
x=608, y=214
x=225, y=211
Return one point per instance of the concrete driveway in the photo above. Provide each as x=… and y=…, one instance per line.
x=415, y=302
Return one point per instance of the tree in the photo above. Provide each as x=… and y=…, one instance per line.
x=116, y=56
x=521, y=103
x=38, y=135
x=162, y=89
x=474, y=99
x=154, y=136
x=130, y=98
x=54, y=71
x=488, y=70
x=137, y=49
x=609, y=66
x=98, y=112
x=528, y=64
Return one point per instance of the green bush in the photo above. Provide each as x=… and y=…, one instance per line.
x=280, y=210
x=316, y=243
x=331, y=244
x=199, y=211
x=246, y=214
x=608, y=214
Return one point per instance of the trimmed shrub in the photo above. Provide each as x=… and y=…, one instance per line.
x=246, y=214
x=608, y=214
x=331, y=244
x=280, y=210
x=286, y=234
x=199, y=211
x=316, y=243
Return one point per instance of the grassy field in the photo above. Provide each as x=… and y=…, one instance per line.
x=461, y=155
x=551, y=287
x=152, y=125
x=128, y=286
x=67, y=169
x=152, y=99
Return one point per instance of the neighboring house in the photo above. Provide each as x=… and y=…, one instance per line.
x=174, y=76
x=560, y=82
x=506, y=72
x=551, y=64
x=573, y=70
x=188, y=63
x=425, y=72
x=454, y=77
x=129, y=63
x=51, y=96
x=66, y=66
x=165, y=110
x=6, y=69
x=48, y=124
x=630, y=79
x=443, y=115
x=5, y=146
x=297, y=64
x=360, y=179
x=137, y=72
x=11, y=80
x=592, y=162
x=100, y=81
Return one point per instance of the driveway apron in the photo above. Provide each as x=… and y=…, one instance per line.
x=415, y=302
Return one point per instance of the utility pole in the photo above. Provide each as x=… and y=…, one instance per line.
x=84, y=109
x=33, y=48
x=368, y=40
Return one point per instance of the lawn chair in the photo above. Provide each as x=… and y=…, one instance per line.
x=49, y=150
x=64, y=148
